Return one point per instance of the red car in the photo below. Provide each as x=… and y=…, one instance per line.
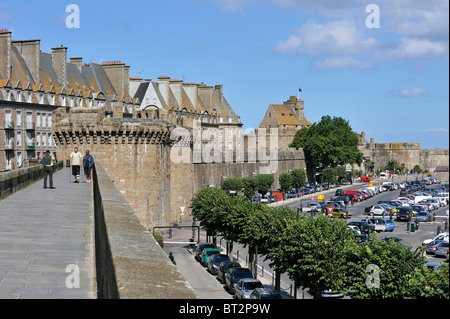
x=365, y=178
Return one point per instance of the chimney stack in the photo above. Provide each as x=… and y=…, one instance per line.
x=59, y=61
x=119, y=75
x=77, y=61
x=5, y=53
x=30, y=51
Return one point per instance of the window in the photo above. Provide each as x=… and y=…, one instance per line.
x=38, y=139
x=19, y=158
x=49, y=120
x=38, y=119
x=19, y=118
x=19, y=138
x=49, y=139
x=8, y=119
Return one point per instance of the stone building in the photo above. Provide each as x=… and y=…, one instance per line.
x=288, y=118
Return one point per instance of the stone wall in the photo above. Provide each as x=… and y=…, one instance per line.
x=130, y=263
x=408, y=154
x=13, y=181
x=150, y=170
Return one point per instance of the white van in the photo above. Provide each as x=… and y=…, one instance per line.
x=383, y=176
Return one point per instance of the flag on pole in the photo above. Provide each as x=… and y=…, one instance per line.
x=299, y=89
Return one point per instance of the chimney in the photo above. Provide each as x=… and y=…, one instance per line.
x=119, y=75
x=5, y=53
x=191, y=91
x=206, y=94
x=163, y=86
x=59, y=60
x=175, y=86
x=78, y=62
x=30, y=51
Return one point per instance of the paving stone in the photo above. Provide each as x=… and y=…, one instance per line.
x=42, y=231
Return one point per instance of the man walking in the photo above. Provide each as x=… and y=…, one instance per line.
x=75, y=160
x=88, y=162
x=48, y=160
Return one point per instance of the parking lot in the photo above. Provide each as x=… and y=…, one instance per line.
x=207, y=286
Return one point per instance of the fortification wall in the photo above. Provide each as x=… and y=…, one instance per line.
x=153, y=173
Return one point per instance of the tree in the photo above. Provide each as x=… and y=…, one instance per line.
x=392, y=166
x=328, y=175
x=381, y=269
x=232, y=184
x=249, y=185
x=263, y=182
x=313, y=252
x=298, y=138
x=298, y=177
x=341, y=172
x=331, y=142
x=416, y=169
x=285, y=181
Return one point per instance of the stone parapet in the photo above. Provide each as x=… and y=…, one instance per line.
x=130, y=263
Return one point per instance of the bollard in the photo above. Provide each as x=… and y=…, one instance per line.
x=412, y=227
x=439, y=230
x=408, y=225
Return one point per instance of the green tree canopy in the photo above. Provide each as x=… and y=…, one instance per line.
x=285, y=181
x=232, y=184
x=298, y=138
x=263, y=182
x=331, y=142
x=298, y=177
x=328, y=175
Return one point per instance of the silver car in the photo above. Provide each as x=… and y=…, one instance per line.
x=245, y=287
x=442, y=249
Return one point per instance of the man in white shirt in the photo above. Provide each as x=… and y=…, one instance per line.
x=75, y=161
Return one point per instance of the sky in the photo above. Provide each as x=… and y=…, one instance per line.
x=383, y=65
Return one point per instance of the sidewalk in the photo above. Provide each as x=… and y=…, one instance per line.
x=42, y=232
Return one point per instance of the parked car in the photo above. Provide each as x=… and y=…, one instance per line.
x=214, y=262
x=375, y=224
x=362, y=225
x=245, y=287
x=207, y=253
x=388, y=223
x=223, y=269
x=234, y=275
x=378, y=210
x=431, y=247
x=441, y=236
x=200, y=247
x=442, y=249
x=404, y=213
x=265, y=293
x=340, y=213
x=424, y=217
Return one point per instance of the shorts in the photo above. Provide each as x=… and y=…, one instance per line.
x=87, y=170
x=76, y=170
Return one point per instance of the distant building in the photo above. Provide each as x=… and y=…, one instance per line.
x=33, y=84
x=288, y=118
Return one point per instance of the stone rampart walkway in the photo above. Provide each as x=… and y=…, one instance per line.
x=47, y=242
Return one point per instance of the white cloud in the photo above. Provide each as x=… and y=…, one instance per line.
x=336, y=38
x=416, y=92
x=415, y=48
x=339, y=63
x=410, y=29
x=437, y=130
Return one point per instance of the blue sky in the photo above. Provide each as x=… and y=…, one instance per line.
x=391, y=82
